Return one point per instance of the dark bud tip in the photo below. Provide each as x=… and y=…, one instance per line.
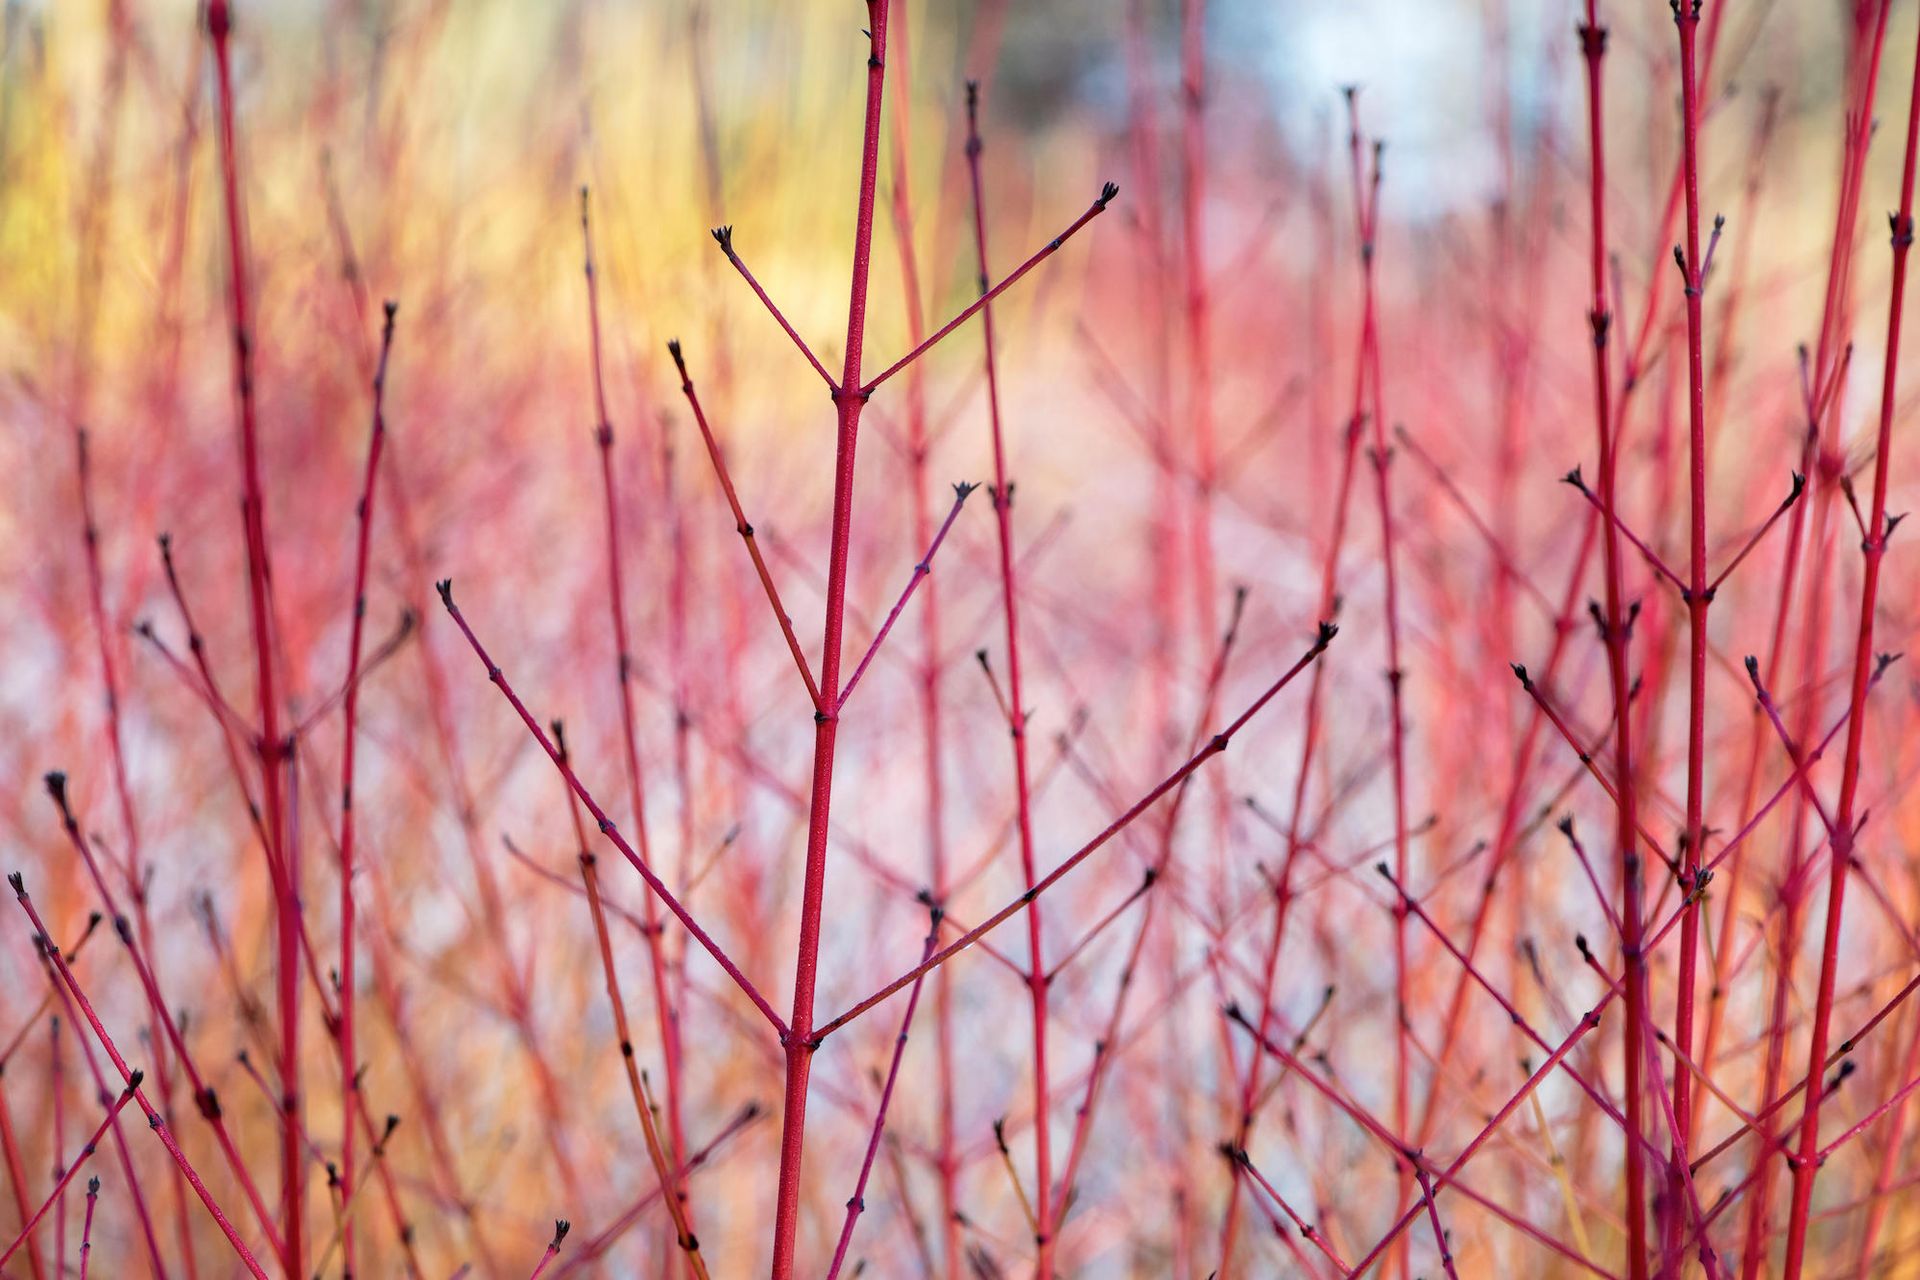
x=560, y=1228
x=1328, y=630
x=1520, y=674
x=723, y=236
x=391, y=307
x=673, y=349
x=93, y=1186
x=1753, y=670
x=962, y=489
x=57, y=787
x=134, y=1078
x=1107, y=192
x=19, y=883
x=445, y=588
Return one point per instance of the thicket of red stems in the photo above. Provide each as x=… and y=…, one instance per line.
x=764, y=852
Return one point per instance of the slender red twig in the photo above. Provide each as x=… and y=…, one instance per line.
x=154, y=1119
x=1215, y=745
x=857, y=1202
x=86, y=1227
x=607, y=827
x=922, y=569
x=666, y=1013
x=744, y=527
x=73, y=1168
x=1874, y=551
x=273, y=751
x=363, y=514
x=1593, y=46
x=560, y=1228
x=1698, y=597
x=1002, y=492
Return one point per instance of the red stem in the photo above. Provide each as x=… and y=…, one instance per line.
x=1807, y=1168
x=607, y=827
x=259, y=591
x=1016, y=716
x=1698, y=597
x=1215, y=745
x=349, y=1069
x=666, y=1013
x=131, y=1078
x=800, y=1042
x=857, y=1202
x=1593, y=40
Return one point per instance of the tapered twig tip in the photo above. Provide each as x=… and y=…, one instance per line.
x=1753, y=670
x=57, y=787
x=723, y=236
x=134, y=1078
x=962, y=488
x=1328, y=630
x=1107, y=192
x=679, y=357
x=93, y=1186
x=445, y=588
x=560, y=1228
x=19, y=883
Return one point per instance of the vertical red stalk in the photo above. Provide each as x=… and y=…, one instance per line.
x=349, y=1070
x=1367, y=375
x=946, y=1159
x=1199, y=408
x=666, y=1015
x=259, y=590
x=1874, y=551
x=1698, y=596
x=86, y=1227
x=1296, y=822
x=1593, y=45
x=849, y=400
x=1193, y=165
x=1002, y=492
x=17, y=1179
x=1864, y=55
x=57, y=1090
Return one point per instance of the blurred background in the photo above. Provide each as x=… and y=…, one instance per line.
x=1196, y=451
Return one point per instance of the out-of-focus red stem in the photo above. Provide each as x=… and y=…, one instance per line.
x=1016, y=715
x=1874, y=550
x=131, y=1079
x=666, y=1014
x=260, y=591
x=363, y=514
